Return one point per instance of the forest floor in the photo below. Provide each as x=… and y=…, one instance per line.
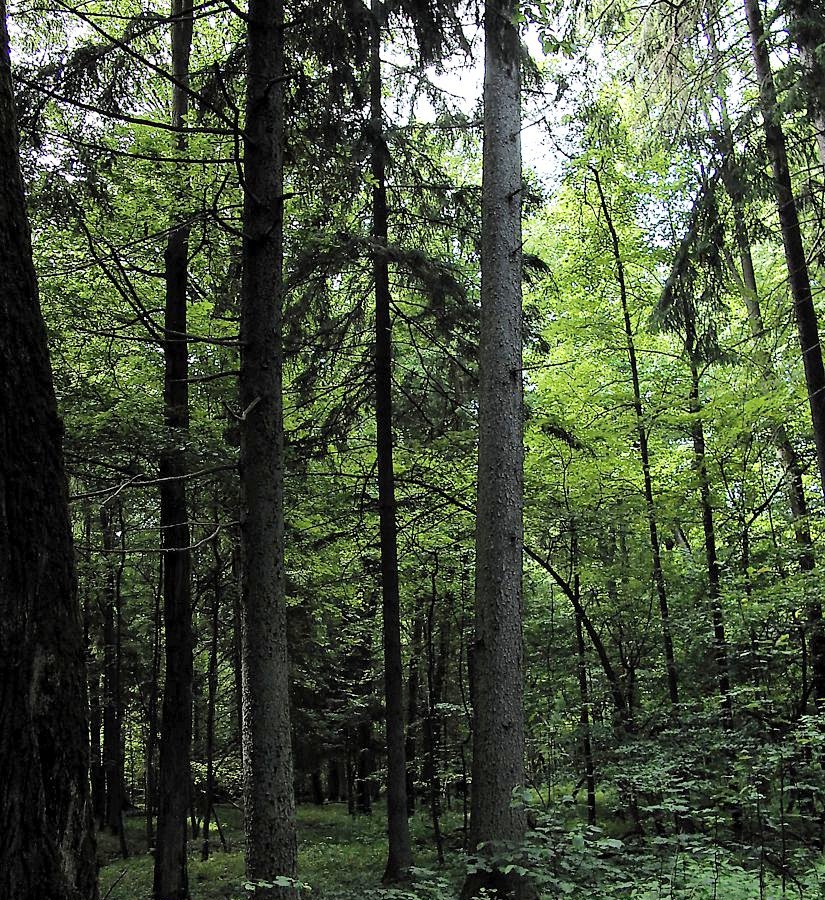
x=342, y=858
x=339, y=855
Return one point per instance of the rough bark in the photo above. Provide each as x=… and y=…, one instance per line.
x=47, y=849
x=269, y=802
x=644, y=456
x=171, y=877
x=798, y=275
x=399, y=851
x=498, y=715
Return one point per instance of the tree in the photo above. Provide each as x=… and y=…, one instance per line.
x=171, y=879
x=498, y=717
x=795, y=259
x=399, y=856
x=269, y=803
x=48, y=847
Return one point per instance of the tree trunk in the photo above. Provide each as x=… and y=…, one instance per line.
x=212, y=694
x=584, y=723
x=413, y=682
x=171, y=880
x=498, y=715
x=788, y=457
x=152, y=723
x=363, y=767
x=720, y=646
x=269, y=801
x=399, y=855
x=798, y=276
x=644, y=455
x=47, y=849
x=113, y=763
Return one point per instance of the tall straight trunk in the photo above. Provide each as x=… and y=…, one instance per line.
x=113, y=762
x=47, y=849
x=584, y=691
x=413, y=684
x=720, y=646
x=644, y=455
x=237, y=644
x=806, y=20
x=797, y=265
x=584, y=723
x=152, y=717
x=364, y=767
x=788, y=457
x=97, y=773
x=498, y=715
x=269, y=801
x=431, y=729
x=212, y=693
x=171, y=880
x=399, y=855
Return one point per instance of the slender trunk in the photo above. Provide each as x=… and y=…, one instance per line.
x=47, y=849
x=112, y=710
x=98, y=776
x=644, y=455
x=413, y=681
x=798, y=276
x=171, y=881
x=269, y=800
x=498, y=715
x=584, y=724
x=431, y=732
x=152, y=724
x=788, y=457
x=399, y=856
x=237, y=646
x=212, y=693
x=364, y=767
x=720, y=645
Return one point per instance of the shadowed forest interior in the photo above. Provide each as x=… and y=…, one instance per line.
x=412, y=449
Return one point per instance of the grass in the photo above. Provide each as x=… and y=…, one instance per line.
x=337, y=853
x=342, y=858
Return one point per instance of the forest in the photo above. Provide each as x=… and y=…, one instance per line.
x=412, y=449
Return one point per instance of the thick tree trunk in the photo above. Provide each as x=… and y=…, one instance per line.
x=171, y=877
x=269, y=801
x=798, y=275
x=644, y=455
x=47, y=849
x=399, y=855
x=498, y=715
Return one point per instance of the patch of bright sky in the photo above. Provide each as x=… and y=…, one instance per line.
x=545, y=114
